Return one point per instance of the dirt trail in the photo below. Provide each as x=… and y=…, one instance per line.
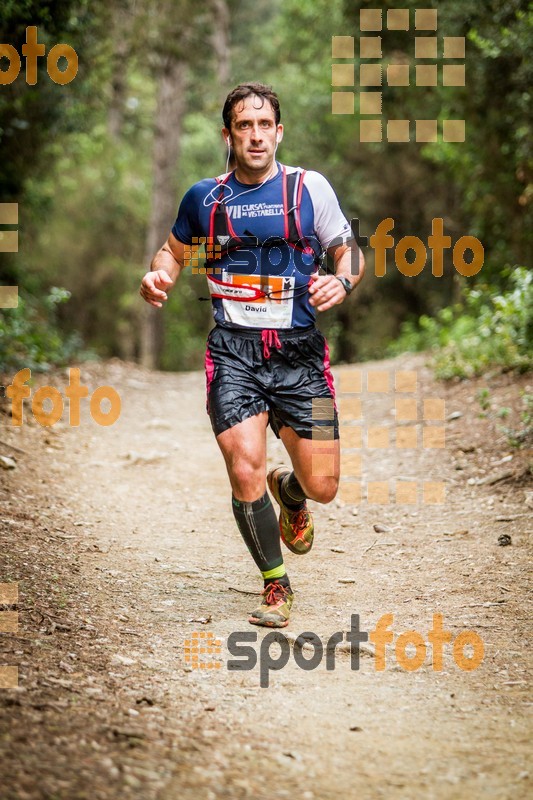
x=123, y=543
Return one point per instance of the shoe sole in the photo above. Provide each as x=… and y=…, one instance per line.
x=273, y=486
x=268, y=623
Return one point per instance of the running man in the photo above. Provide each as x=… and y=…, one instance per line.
x=267, y=226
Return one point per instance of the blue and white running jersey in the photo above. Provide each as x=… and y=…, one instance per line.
x=257, y=213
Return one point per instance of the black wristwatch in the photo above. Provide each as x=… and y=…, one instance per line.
x=346, y=283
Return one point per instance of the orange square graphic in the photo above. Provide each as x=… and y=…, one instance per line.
x=322, y=465
x=426, y=75
x=352, y=437
x=350, y=409
x=406, y=408
x=350, y=491
x=453, y=130
x=377, y=380
x=351, y=465
x=378, y=492
x=370, y=19
x=9, y=677
x=9, y=621
x=351, y=381
x=434, y=492
x=398, y=19
x=426, y=47
x=426, y=130
x=342, y=102
x=434, y=408
x=370, y=103
x=434, y=437
x=9, y=296
x=342, y=47
x=406, y=492
x=453, y=75
x=370, y=130
x=9, y=242
x=370, y=47
x=398, y=75
x=398, y=130
x=370, y=75
x=322, y=437
x=454, y=47
x=322, y=408
x=378, y=438
x=9, y=213
x=405, y=381
x=407, y=438
x=9, y=593
x=426, y=19
x=342, y=74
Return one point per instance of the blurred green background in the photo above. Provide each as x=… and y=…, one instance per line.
x=98, y=167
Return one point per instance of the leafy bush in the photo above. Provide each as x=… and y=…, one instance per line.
x=484, y=331
x=30, y=337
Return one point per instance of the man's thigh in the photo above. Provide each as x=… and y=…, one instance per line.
x=244, y=449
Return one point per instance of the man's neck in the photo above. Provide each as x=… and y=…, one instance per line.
x=253, y=176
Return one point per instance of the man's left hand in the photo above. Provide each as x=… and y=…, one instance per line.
x=326, y=291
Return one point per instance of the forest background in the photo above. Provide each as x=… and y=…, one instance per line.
x=98, y=167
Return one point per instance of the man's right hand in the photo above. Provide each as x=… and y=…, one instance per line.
x=154, y=287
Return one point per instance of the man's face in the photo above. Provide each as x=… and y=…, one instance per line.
x=253, y=133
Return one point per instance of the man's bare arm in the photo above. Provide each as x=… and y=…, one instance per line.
x=325, y=290
x=165, y=270
x=349, y=262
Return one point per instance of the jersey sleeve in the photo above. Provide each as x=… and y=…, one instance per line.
x=187, y=222
x=331, y=226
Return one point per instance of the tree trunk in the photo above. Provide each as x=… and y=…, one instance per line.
x=220, y=42
x=122, y=17
x=166, y=147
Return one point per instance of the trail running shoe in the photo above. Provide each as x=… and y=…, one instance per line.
x=296, y=527
x=275, y=609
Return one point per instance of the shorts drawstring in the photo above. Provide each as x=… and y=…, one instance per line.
x=270, y=338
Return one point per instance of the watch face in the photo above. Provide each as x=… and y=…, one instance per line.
x=347, y=285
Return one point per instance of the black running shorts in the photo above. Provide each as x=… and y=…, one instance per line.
x=280, y=371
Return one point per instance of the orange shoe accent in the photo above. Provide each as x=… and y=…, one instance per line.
x=296, y=527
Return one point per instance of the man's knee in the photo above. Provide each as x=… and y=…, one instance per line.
x=322, y=490
x=247, y=478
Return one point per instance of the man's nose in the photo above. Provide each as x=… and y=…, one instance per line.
x=256, y=132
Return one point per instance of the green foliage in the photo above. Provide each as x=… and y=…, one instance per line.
x=486, y=330
x=30, y=336
x=483, y=398
x=523, y=435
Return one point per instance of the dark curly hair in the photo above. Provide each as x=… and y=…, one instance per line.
x=245, y=90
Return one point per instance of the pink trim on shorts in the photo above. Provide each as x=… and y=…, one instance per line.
x=328, y=374
x=209, y=372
